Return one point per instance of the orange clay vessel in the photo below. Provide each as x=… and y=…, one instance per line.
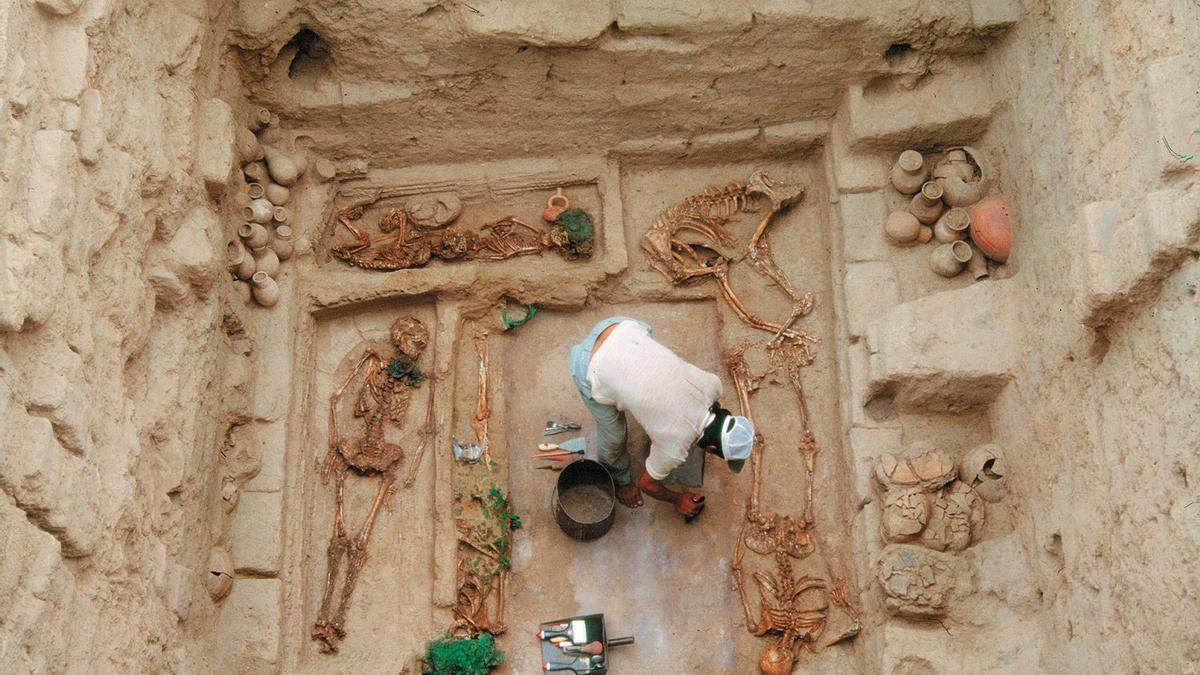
x=991, y=229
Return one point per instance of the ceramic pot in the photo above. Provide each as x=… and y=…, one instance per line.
x=277, y=194
x=260, y=119
x=977, y=265
x=557, y=203
x=219, y=579
x=948, y=259
x=282, y=242
x=925, y=235
x=258, y=211
x=266, y=260
x=299, y=152
x=244, y=291
x=282, y=168
x=238, y=260
x=325, y=170
x=909, y=172
x=927, y=204
x=248, y=147
x=254, y=235
x=954, y=163
x=991, y=229
x=952, y=226
x=902, y=227
x=983, y=469
x=280, y=214
x=266, y=291
x=256, y=190
x=241, y=198
x=256, y=172
x=962, y=176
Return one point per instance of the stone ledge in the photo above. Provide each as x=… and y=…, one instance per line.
x=698, y=16
x=994, y=15
x=543, y=23
x=756, y=143
x=1169, y=113
x=1128, y=260
x=953, y=106
x=256, y=534
x=271, y=439
x=862, y=216
x=216, y=157
x=867, y=445
x=249, y=621
x=871, y=288
x=854, y=171
x=950, y=351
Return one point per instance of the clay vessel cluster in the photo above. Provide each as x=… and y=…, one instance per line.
x=266, y=235
x=932, y=509
x=949, y=207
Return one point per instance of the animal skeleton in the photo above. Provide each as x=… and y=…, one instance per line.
x=403, y=247
x=382, y=400
x=685, y=244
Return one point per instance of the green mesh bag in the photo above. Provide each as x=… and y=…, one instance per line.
x=462, y=656
x=578, y=224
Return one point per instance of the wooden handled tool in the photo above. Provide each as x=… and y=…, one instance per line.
x=593, y=648
x=554, y=447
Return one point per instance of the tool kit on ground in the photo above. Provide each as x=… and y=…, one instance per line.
x=578, y=644
x=553, y=427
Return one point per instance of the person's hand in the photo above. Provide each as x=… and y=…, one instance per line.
x=689, y=504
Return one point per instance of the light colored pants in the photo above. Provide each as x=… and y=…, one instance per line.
x=612, y=449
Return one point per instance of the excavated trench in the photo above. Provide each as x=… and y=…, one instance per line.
x=624, y=128
x=288, y=290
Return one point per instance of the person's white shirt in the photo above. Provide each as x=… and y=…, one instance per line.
x=668, y=396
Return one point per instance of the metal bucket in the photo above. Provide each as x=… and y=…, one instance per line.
x=585, y=500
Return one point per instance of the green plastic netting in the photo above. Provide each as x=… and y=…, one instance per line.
x=462, y=656
x=578, y=225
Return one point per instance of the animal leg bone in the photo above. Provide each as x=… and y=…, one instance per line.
x=753, y=320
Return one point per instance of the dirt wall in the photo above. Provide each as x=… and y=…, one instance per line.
x=110, y=343
x=1100, y=417
x=146, y=406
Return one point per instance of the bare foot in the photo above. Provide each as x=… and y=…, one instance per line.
x=629, y=495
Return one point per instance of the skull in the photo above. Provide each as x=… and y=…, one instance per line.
x=777, y=660
x=410, y=336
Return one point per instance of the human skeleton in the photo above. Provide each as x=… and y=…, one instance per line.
x=689, y=242
x=403, y=246
x=383, y=397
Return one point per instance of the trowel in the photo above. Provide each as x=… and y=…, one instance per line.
x=573, y=446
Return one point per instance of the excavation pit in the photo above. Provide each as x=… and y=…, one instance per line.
x=204, y=346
